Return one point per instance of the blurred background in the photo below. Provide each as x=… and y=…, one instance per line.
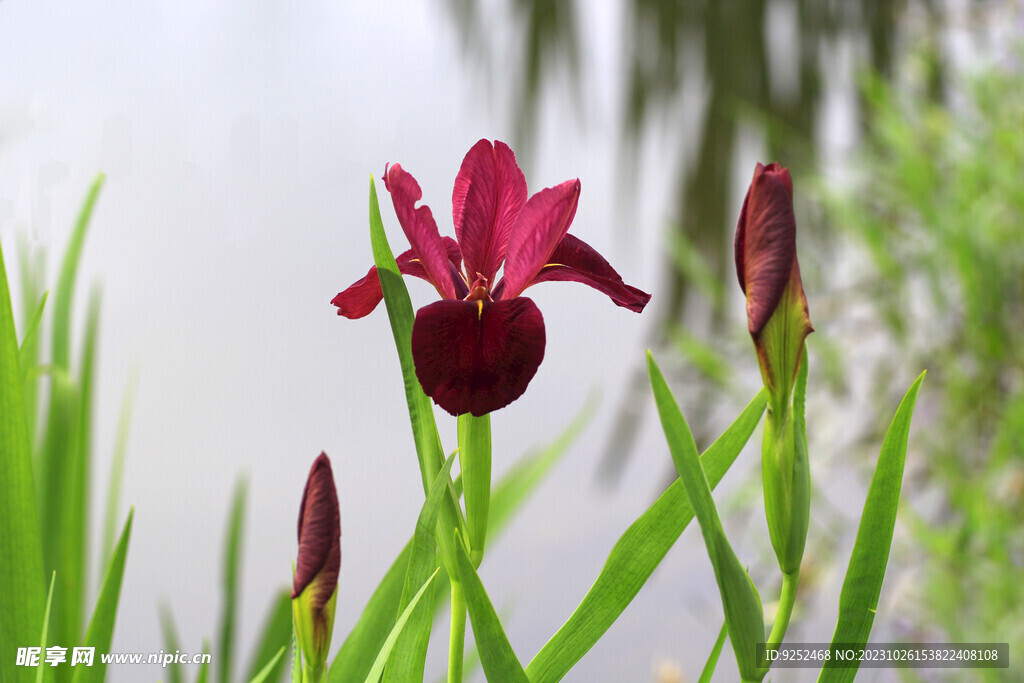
x=238, y=141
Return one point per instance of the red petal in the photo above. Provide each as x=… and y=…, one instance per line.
x=576, y=261
x=489, y=192
x=419, y=227
x=477, y=356
x=363, y=296
x=319, y=534
x=765, y=242
x=541, y=225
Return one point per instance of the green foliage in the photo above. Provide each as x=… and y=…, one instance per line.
x=21, y=565
x=743, y=615
x=939, y=208
x=232, y=563
x=863, y=582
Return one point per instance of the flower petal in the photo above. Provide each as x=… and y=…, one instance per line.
x=541, y=225
x=419, y=227
x=765, y=242
x=363, y=296
x=576, y=261
x=489, y=192
x=319, y=555
x=477, y=356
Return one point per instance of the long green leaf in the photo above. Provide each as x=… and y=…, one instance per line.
x=204, y=669
x=66, y=284
x=41, y=670
x=863, y=583
x=276, y=635
x=382, y=657
x=421, y=412
x=101, y=626
x=232, y=562
x=636, y=554
x=172, y=643
x=410, y=649
x=33, y=275
x=499, y=660
x=29, y=343
x=742, y=607
x=22, y=588
x=117, y=466
x=267, y=673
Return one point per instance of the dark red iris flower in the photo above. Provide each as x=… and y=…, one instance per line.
x=477, y=349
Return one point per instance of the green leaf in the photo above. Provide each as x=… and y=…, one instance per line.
x=41, y=670
x=29, y=343
x=863, y=583
x=117, y=466
x=271, y=671
x=101, y=626
x=232, y=562
x=382, y=657
x=204, y=669
x=742, y=608
x=33, y=268
x=499, y=660
x=636, y=555
x=66, y=284
x=421, y=413
x=709, y=667
x=22, y=588
x=410, y=649
x=277, y=633
x=171, y=643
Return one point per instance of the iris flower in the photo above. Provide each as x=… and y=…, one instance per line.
x=477, y=349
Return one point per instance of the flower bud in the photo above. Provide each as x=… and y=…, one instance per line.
x=315, y=583
x=769, y=275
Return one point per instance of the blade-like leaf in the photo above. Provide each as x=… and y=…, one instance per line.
x=636, y=554
x=204, y=669
x=66, y=284
x=267, y=673
x=863, y=583
x=232, y=562
x=421, y=413
x=743, y=615
x=410, y=649
x=41, y=670
x=171, y=643
x=117, y=466
x=101, y=626
x=29, y=343
x=277, y=633
x=382, y=657
x=32, y=263
x=709, y=666
x=22, y=588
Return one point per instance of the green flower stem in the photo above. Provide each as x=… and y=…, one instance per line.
x=457, y=634
x=786, y=601
x=475, y=462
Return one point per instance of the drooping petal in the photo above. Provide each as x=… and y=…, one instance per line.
x=419, y=227
x=489, y=192
x=319, y=557
x=360, y=298
x=477, y=356
x=541, y=225
x=576, y=261
x=765, y=242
